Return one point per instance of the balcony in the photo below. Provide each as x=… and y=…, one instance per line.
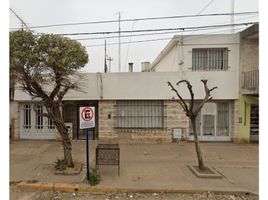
x=250, y=82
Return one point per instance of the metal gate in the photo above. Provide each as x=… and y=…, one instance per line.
x=34, y=126
x=71, y=115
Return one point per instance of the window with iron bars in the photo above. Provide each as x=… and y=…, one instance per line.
x=39, y=117
x=27, y=116
x=50, y=124
x=210, y=59
x=139, y=114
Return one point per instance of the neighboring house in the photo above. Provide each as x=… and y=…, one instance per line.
x=249, y=85
x=212, y=57
x=133, y=107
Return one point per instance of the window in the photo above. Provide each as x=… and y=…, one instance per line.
x=50, y=124
x=222, y=119
x=210, y=59
x=139, y=114
x=27, y=116
x=39, y=117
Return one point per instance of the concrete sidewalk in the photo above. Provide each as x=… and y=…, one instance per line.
x=143, y=166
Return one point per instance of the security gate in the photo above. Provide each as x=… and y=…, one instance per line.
x=34, y=126
x=71, y=115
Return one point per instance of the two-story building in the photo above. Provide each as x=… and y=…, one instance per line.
x=249, y=85
x=212, y=57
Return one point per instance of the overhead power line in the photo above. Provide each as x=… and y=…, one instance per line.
x=19, y=18
x=157, y=39
x=145, y=34
x=141, y=19
x=158, y=30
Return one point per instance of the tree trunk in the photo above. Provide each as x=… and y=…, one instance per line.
x=201, y=164
x=55, y=114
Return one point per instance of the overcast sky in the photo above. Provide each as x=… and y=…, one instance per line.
x=40, y=12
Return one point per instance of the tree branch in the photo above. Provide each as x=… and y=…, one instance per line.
x=190, y=91
x=39, y=113
x=182, y=102
x=206, y=98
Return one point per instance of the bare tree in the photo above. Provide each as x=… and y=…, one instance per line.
x=44, y=66
x=192, y=112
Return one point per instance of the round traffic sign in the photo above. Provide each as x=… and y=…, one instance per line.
x=87, y=114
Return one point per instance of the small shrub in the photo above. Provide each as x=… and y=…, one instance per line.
x=94, y=177
x=60, y=165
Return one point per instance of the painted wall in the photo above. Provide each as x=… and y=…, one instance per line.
x=148, y=85
x=178, y=56
x=245, y=102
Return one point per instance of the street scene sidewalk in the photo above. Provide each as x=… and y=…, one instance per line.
x=142, y=166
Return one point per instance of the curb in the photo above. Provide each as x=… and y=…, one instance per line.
x=66, y=187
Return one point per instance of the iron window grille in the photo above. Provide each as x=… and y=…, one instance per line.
x=139, y=114
x=210, y=59
x=38, y=117
x=50, y=124
x=26, y=116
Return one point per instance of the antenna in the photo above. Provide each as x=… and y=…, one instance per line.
x=119, y=42
x=110, y=60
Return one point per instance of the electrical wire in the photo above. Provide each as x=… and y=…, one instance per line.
x=139, y=19
x=146, y=34
x=159, y=39
x=158, y=30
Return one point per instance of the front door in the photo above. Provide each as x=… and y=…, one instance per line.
x=212, y=123
x=71, y=116
x=208, y=125
x=254, y=123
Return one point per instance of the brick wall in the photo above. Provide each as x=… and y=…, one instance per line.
x=174, y=118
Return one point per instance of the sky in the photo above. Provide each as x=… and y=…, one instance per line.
x=37, y=12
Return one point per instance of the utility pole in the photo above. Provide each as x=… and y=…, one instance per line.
x=105, y=64
x=19, y=18
x=232, y=16
x=110, y=60
x=119, y=42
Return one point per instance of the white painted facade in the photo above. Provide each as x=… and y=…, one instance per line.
x=148, y=85
x=177, y=55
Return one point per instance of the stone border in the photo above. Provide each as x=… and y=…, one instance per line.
x=68, y=187
x=200, y=175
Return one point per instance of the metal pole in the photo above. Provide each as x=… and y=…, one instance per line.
x=119, y=44
x=87, y=154
x=105, y=64
x=232, y=16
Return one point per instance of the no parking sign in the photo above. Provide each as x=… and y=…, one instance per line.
x=87, y=117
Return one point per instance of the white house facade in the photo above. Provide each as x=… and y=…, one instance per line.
x=133, y=107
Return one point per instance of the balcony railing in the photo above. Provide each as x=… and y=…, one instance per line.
x=250, y=82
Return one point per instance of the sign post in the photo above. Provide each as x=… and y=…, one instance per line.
x=87, y=120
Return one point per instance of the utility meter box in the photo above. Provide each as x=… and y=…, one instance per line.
x=177, y=133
